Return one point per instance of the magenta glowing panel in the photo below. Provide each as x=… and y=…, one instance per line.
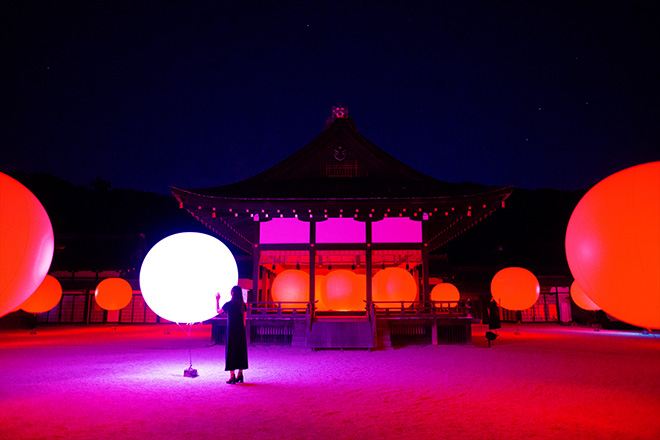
x=283, y=230
x=396, y=230
x=341, y=230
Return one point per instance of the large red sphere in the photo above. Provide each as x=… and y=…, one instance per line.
x=113, y=294
x=613, y=245
x=45, y=298
x=343, y=291
x=581, y=299
x=515, y=288
x=291, y=285
x=394, y=284
x=26, y=243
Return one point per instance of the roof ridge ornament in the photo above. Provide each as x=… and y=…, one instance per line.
x=340, y=153
x=339, y=111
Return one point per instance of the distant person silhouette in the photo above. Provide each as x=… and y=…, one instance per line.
x=494, y=322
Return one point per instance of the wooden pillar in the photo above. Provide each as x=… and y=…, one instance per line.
x=256, y=257
x=425, y=295
x=369, y=266
x=312, y=275
x=312, y=266
x=88, y=306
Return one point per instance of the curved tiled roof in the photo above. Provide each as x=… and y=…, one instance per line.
x=340, y=170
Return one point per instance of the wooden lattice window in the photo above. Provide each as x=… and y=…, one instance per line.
x=344, y=169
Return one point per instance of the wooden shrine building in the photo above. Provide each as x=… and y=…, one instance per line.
x=342, y=208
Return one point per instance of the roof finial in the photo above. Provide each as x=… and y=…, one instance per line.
x=339, y=111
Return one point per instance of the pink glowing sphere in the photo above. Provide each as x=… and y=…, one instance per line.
x=581, y=299
x=291, y=285
x=613, y=245
x=45, y=298
x=26, y=244
x=445, y=292
x=182, y=273
x=394, y=284
x=113, y=294
x=515, y=288
x=342, y=291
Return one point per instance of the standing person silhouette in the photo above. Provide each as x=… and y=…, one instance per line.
x=236, y=342
x=493, y=320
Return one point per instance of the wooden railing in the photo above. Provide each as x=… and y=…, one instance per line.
x=278, y=309
x=422, y=309
x=393, y=309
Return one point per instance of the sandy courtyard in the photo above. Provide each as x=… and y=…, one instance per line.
x=549, y=382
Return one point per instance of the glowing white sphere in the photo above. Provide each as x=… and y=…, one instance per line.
x=182, y=273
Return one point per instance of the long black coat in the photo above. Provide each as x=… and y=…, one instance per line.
x=493, y=315
x=236, y=343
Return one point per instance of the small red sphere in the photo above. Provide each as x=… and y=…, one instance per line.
x=515, y=288
x=445, y=292
x=113, y=294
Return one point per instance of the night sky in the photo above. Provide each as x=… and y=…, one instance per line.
x=203, y=93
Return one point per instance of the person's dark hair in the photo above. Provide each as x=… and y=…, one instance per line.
x=237, y=294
